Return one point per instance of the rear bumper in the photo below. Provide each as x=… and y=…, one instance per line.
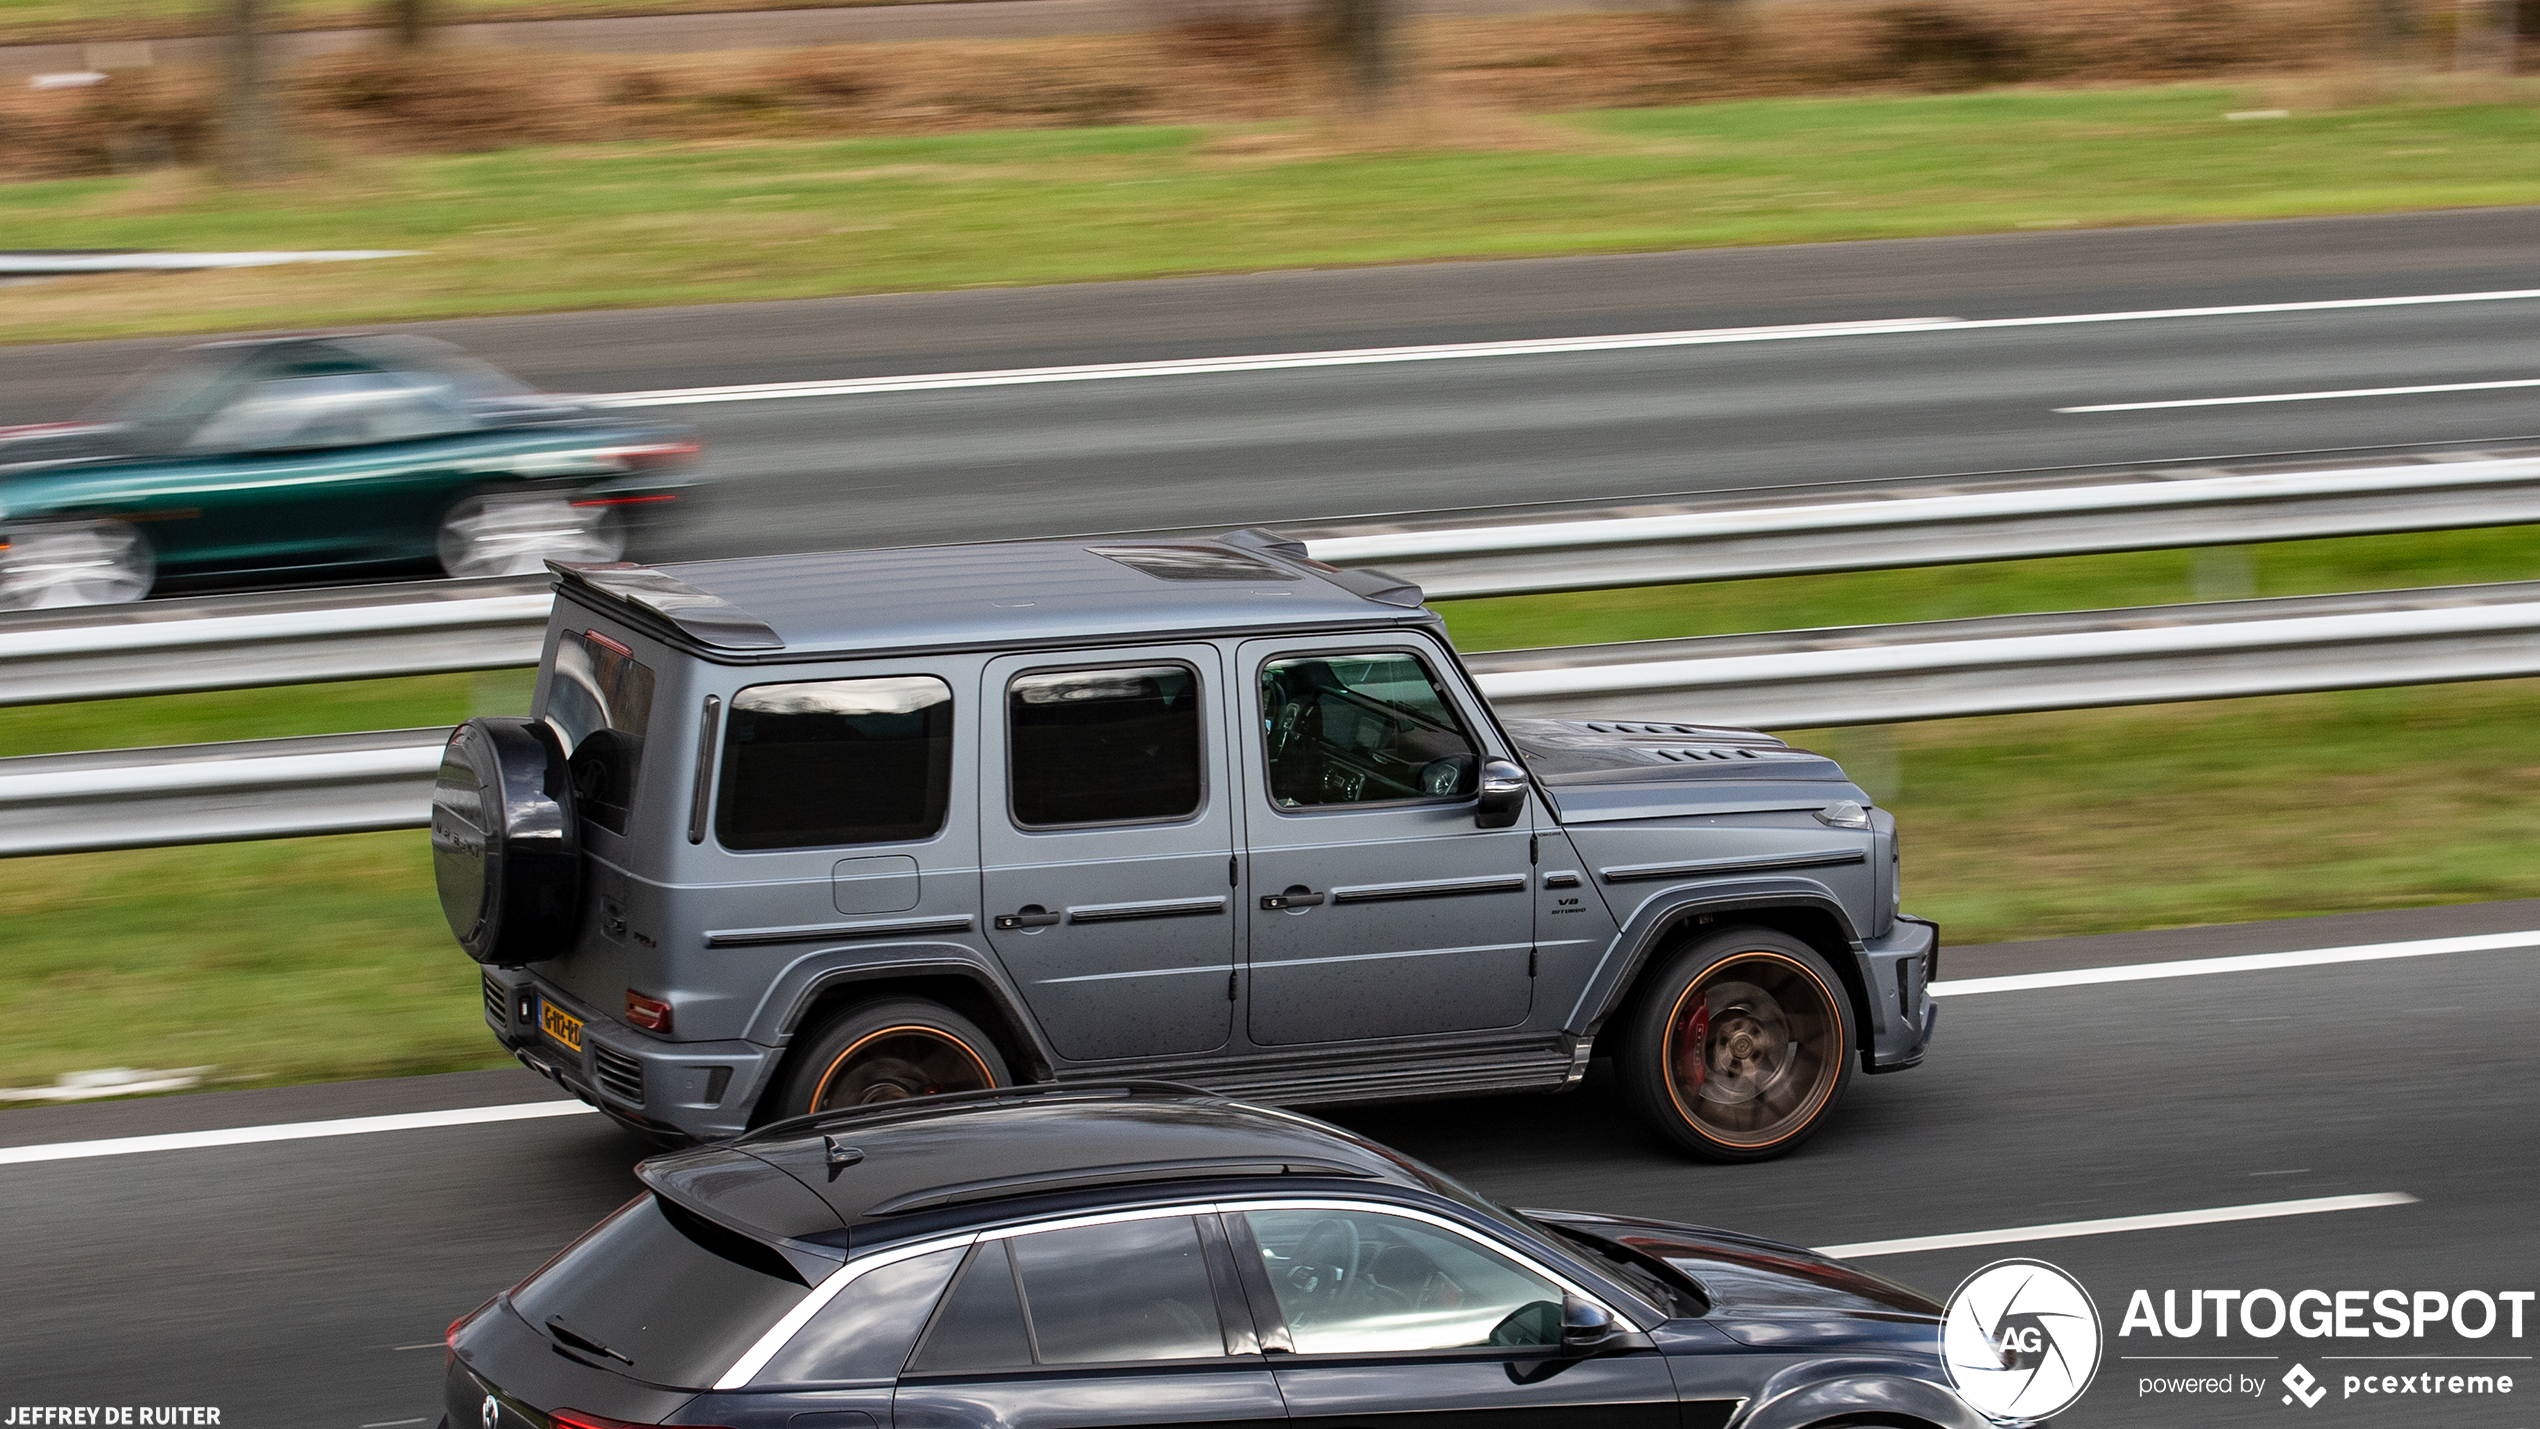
x=1901, y=967
x=688, y=1091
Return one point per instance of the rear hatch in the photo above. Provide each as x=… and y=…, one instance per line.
x=630, y=1322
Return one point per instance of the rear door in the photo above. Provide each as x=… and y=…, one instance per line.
x=1379, y=909
x=1121, y=1322
x=1108, y=838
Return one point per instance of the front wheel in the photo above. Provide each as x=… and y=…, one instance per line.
x=886, y=1052
x=73, y=564
x=1741, y=1047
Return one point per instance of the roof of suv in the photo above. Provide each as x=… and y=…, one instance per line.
x=970, y=1156
x=1006, y=593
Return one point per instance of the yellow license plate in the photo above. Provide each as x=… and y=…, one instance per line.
x=560, y=1024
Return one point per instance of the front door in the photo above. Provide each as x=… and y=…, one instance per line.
x=1378, y=907
x=1391, y=1320
x=1108, y=843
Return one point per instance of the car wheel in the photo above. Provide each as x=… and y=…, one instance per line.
x=74, y=564
x=887, y=1052
x=1740, y=1046
x=518, y=535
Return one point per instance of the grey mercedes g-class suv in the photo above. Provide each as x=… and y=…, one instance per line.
x=793, y=833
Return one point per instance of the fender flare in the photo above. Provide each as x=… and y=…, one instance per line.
x=1668, y=911
x=1836, y=1391
x=824, y=972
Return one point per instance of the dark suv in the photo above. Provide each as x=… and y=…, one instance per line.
x=1144, y=1255
x=803, y=832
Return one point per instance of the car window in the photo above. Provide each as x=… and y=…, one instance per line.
x=600, y=702
x=830, y=762
x=678, y=1298
x=864, y=1333
x=1127, y=1290
x=980, y=1324
x=1104, y=746
x=335, y=409
x=1361, y=729
x=1362, y=1281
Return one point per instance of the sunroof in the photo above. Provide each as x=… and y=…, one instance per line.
x=1194, y=563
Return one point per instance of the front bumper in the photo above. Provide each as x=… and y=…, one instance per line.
x=689, y=1091
x=1901, y=968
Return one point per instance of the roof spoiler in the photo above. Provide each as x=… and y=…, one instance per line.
x=1364, y=582
x=707, y=619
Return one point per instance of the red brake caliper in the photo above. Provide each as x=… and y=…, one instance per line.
x=1698, y=1040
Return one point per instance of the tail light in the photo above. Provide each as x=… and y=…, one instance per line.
x=650, y=1013
x=585, y=1419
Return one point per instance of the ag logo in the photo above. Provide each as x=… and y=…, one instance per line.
x=2021, y=1341
x=490, y=1413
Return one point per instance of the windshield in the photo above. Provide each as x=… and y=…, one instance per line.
x=656, y=1293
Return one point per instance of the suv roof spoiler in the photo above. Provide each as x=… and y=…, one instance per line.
x=1365, y=582
x=706, y=619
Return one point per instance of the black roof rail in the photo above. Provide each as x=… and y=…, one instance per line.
x=1197, y=1168
x=985, y=1096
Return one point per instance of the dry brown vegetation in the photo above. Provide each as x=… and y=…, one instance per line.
x=1214, y=63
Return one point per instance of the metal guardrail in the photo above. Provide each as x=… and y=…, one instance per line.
x=2142, y=510
x=234, y=642
x=1861, y=675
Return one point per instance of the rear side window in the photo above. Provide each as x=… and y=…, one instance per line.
x=600, y=702
x=1122, y=1292
x=831, y=762
x=1112, y=746
x=863, y=1336
x=662, y=1295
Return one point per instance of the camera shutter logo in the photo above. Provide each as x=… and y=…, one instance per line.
x=2020, y=1341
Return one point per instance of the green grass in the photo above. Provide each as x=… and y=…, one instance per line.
x=643, y=224
x=2130, y=578
x=326, y=958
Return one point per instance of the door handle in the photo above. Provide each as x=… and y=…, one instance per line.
x=1030, y=915
x=1298, y=897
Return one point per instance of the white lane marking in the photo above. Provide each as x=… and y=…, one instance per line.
x=287, y=1131
x=2306, y=396
x=2064, y=1230
x=2246, y=962
x=1447, y=352
x=471, y=1116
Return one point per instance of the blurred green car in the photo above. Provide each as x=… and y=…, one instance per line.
x=305, y=460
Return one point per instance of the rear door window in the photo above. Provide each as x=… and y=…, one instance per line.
x=1127, y=1290
x=600, y=702
x=824, y=763
x=1105, y=746
x=660, y=1295
x=863, y=1335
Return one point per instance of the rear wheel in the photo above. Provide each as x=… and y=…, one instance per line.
x=886, y=1052
x=1741, y=1046
x=518, y=535
x=73, y=564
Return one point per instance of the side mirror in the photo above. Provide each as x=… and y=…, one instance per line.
x=1502, y=796
x=1584, y=1324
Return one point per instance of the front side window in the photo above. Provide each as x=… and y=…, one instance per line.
x=831, y=762
x=1361, y=729
x=1122, y=1292
x=1363, y=1281
x=673, y=1298
x=600, y=702
x=1112, y=746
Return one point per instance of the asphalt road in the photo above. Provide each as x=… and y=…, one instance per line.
x=306, y=1283
x=1303, y=445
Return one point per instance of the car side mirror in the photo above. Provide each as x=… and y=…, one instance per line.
x=1502, y=796
x=1584, y=1323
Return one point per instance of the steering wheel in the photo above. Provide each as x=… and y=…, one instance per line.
x=1283, y=730
x=1326, y=1266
